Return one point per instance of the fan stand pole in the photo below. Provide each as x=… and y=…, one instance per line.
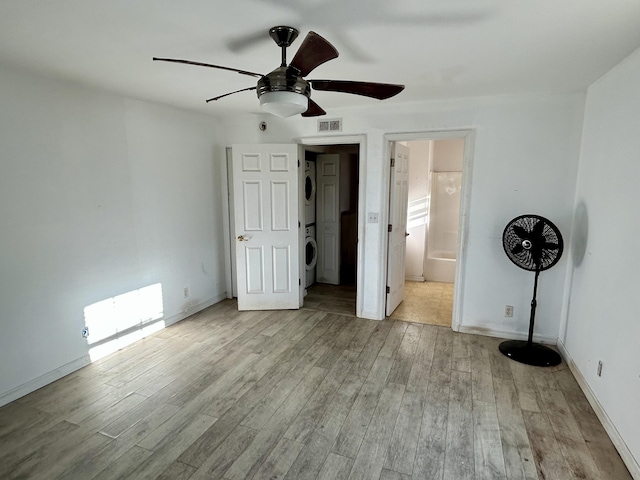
x=528, y=352
x=534, y=304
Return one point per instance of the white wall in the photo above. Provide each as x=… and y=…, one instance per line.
x=99, y=196
x=448, y=155
x=604, y=302
x=524, y=161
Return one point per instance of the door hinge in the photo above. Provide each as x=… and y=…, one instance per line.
x=390, y=228
x=298, y=163
x=299, y=282
x=298, y=223
x=388, y=289
x=393, y=162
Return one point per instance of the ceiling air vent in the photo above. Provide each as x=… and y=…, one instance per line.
x=330, y=125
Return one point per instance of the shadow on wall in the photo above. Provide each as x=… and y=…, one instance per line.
x=580, y=234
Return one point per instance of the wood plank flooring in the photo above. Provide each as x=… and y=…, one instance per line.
x=307, y=395
x=339, y=299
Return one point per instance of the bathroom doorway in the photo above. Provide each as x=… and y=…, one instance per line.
x=433, y=228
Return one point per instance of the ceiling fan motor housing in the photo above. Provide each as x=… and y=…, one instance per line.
x=283, y=79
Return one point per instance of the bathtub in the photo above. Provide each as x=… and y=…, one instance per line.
x=440, y=266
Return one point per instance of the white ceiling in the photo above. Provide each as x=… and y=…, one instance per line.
x=437, y=48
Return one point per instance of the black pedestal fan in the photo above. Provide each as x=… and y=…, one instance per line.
x=533, y=243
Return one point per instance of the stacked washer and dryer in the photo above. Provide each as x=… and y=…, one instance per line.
x=310, y=245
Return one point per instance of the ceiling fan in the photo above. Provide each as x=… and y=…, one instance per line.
x=284, y=91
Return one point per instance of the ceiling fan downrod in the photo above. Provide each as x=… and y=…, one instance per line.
x=284, y=37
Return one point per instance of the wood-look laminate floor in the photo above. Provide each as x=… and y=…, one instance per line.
x=339, y=299
x=307, y=395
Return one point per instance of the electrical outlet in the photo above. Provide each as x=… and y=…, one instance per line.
x=600, y=368
x=186, y=292
x=508, y=311
x=85, y=332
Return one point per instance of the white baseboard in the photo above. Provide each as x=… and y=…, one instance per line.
x=42, y=380
x=191, y=309
x=627, y=457
x=491, y=332
x=64, y=370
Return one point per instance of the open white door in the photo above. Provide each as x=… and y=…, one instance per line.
x=398, y=198
x=328, y=218
x=266, y=211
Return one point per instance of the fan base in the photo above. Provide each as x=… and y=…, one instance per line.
x=534, y=354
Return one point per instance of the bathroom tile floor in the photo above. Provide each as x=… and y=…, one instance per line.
x=426, y=302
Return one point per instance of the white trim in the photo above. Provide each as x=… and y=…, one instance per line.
x=627, y=457
x=371, y=315
x=468, y=135
x=361, y=141
x=302, y=271
x=226, y=223
x=77, y=364
x=193, y=309
x=509, y=335
x=46, y=379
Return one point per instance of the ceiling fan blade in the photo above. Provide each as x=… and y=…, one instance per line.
x=230, y=93
x=314, y=51
x=314, y=110
x=200, y=64
x=238, y=44
x=381, y=91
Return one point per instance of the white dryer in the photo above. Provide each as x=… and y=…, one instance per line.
x=309, y=193
x=310, y=255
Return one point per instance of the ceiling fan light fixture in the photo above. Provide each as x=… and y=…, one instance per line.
x=284, y=104
x=285, y=92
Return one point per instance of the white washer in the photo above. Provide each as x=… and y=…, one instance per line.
x=310, y=255
x=309, y=193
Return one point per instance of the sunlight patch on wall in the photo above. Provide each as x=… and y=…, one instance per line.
x=418, y=212
x=119, y=321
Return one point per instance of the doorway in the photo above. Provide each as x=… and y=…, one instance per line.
x=436, y=224
x=332, y=227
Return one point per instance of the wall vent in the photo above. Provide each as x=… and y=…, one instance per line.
x=330, y=125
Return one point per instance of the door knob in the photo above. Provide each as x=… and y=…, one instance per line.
x=242, y=238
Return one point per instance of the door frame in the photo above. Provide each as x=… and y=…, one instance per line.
x=468, y=135
x=228, y=224
x=361, y=141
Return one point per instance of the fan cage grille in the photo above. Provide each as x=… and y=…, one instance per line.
x=536, y=258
